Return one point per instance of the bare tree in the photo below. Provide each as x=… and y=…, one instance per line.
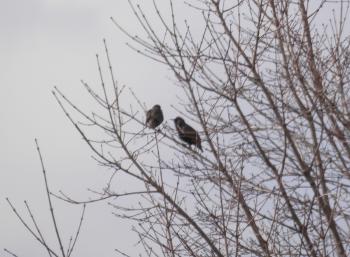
x=267, y=86
x=36, y=230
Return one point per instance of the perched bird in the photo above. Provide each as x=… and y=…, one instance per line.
x=154, y=117
x=187, y=133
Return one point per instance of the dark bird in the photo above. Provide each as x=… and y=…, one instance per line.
x=154, y=117
x=187, y=133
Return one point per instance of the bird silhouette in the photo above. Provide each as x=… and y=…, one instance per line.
x=187, y=133
x=154, y=117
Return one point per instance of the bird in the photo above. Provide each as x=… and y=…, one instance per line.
x=187, y=133
x=154, y=117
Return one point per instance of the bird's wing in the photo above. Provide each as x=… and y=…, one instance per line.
x=160, y=116
x=188, y=130
x=194, y=136
x=148, y=115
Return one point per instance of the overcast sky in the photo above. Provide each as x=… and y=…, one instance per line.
x=44, y=43
x=47, y=43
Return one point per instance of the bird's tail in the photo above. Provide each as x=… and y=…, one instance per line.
x=199, y=145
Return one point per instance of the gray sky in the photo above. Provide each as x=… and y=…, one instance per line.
x=44, y=43
x=53, y=42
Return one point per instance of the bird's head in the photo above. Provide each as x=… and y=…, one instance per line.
x=179, y=121
x=156, y=107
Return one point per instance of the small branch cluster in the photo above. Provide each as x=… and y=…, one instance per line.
x=35, y=230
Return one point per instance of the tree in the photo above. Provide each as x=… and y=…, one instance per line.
x=267, y=85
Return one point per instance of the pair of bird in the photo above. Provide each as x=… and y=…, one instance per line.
x=154, y=117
